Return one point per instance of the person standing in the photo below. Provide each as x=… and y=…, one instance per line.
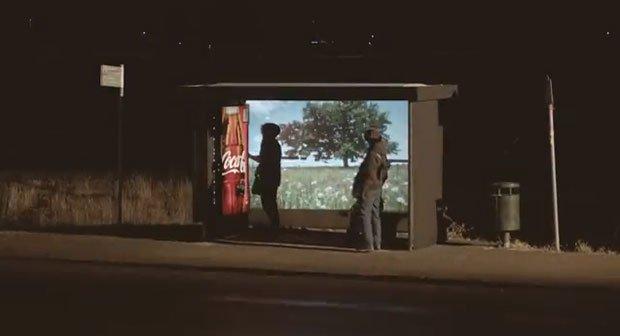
x=268, y=172
x=367, y=188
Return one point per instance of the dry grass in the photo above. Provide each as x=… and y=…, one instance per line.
x=580, y=246
x=462, y=233
x=583, y=247
x=151, y=201
x=459, y=231
x=520, y=245
x=88, y=199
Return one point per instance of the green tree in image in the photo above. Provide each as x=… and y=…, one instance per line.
x=334, y=130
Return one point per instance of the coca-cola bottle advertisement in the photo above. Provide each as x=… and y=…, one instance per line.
x=235, y=182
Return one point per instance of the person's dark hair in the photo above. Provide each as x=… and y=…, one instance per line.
x=372, y=135
x=270, y=130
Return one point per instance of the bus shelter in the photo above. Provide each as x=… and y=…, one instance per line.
x=222, y=119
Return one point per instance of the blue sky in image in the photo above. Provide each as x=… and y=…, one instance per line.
x=281, y=112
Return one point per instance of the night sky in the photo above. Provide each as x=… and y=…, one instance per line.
x=498, y=53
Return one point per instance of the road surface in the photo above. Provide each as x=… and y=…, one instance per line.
x=40, y=297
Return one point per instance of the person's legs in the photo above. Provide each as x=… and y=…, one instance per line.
x=365, y=211
x=357, y=226
x=269, y=201
x=354, y=230
x=376, y=223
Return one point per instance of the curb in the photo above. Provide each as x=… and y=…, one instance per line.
x=279, y=272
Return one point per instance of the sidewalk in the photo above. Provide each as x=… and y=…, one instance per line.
x=440, y=263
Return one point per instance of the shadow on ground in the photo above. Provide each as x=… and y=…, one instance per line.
x=285, y=237
x=301, y=238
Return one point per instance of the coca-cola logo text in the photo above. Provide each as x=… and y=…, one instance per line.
x=233, y=163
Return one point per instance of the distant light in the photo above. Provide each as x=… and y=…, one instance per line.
x=314, y=42
x=608, y=33
x=369, y=43
x=372, y=36
x=180, y=43
x=209, y=46
x=143, y=33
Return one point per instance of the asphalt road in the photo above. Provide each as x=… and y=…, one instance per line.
x=70, y=298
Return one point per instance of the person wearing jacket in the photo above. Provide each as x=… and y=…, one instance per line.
x=268, y=171
x=367, y=188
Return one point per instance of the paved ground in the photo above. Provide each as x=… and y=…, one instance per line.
x=45, y=297
x=440, y=263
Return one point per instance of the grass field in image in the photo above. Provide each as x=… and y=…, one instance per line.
x=330, y=188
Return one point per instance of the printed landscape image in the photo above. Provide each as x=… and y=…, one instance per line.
x=322, y=147
x=330, y=188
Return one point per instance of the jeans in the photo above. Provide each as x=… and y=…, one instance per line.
x=370, y=217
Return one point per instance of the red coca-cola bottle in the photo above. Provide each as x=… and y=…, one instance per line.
x=234, y=161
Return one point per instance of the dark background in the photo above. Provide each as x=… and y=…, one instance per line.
x=58, y=118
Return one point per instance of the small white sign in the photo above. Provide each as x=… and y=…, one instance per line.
x=112, y=76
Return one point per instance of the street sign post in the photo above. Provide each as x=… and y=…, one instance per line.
x=551, y=108
x=114, y=76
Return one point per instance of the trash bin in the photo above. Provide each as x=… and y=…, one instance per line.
x=505, y=199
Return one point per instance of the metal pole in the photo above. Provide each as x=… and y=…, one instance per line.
x=119, y=152
x=194, y=175
x=554, y=182
x=507, y=239
x=411, y=166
